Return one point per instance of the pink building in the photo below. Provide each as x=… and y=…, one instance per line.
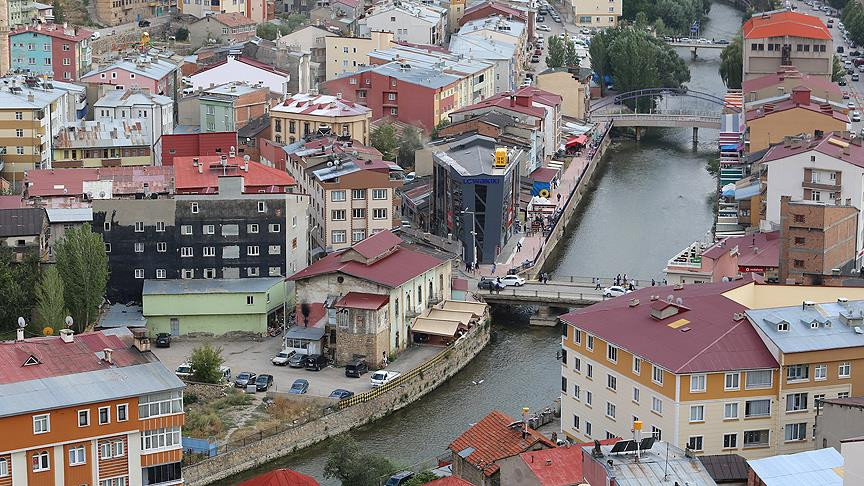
x=728, y=258
x=156, y=75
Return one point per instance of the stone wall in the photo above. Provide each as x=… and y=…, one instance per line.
x=416, y=386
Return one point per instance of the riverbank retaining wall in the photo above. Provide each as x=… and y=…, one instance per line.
x=569, y=208
x=446, y=364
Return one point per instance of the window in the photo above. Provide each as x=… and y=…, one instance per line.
x=4, y=467
x=104, y=415
x=656, y=405
x=187, y=273
x=564, y=384
x=611, y=382
x=757, y=408
x=589, y=397
x=799, y=218
x=576, y=422
x=379, y=213
x=160, y=273
x=697, y=383
x=798, y=372
x=253, y=250
x=577, y=392
x=159, y=404
x=209, y=251
x=843, y=395
x=657, y=433
x=122, y=412
x=253, y=272
x=139, y=247
x=590, y=370
x=637, y=365
x=209, y=273
x=274, y=249
x=732, y=381
x=844, y=370
x=40, y=462
x=394, y=111
x=577, y=337
x=588, y=428
x=337, y=236
x=611, y=353
x=121, y=481
x=577, y=364
x=756, y=438
x=274, y=228
x=359, y=235
x=274, y=271
x=106, y=226
x=730, y=441
x=796, y=402
x=379, y=194
x=139, y=226
x=83, y=418
x=77, y=456
x=697, y=413
x=41, y=424
x=337, y=196
x=820, y=372
x=194, y=207
x=337, y=215
x=19, y=150
x=358, y=213
x=262, y=207
x=730, y=410
x=115, y=448
x=796, y=431
x=590, y=344
x=19, y=132
x=358, y=194
x=186, y=229
x=139, y=273
x=187, y=252
x=695, y=443
x=657, y=374
x=610, y=410
x=817, y=400
x=759, y=379
x=636, y=394
x=19, y=115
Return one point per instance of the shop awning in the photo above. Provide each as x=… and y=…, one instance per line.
x=544, y=174
x=462, y=317
x=742, y=193
x=435, y=327
x=577, y=140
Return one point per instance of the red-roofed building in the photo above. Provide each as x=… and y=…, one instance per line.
x=727, y=258
x=280, y=477
x=200, y=175
x=380, y=285
x=303, y=115
x=197, y=144
x=226, y=71
x=63, y=188
x=68, y=57
x=477, y=452
x=771, y=120
x=787, y=79
x=786, y=38
x=558, y=466
x=91, y=404
x=449, y=481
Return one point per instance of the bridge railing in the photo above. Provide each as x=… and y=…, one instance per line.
x=670, y=114
x=544, y=294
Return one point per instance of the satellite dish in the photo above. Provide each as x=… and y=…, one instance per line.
x=330, y=164
x=22, y=323
x=69, y=321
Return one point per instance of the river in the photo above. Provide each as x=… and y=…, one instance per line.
x=652, y=198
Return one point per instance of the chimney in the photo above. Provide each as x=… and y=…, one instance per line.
x=19, y=336
x=67, y=335
x=141, y=341
x=801, y=96
x=108, y=358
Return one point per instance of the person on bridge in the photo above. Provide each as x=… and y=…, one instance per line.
x=653, y=282
x=597, y=287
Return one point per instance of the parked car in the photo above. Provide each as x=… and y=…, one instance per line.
x=243, y=379
x=341, y=394
x=850, y=105
x=513, y=281
x=541, y=18
x=282, y=357
x=845, y=95
x=184, y=371
x=316, y=362
x=356, y=368
x=399, y=478
x=297, y=361
x=163, y=340
x=614, y=291
x=143, y=23
x=842, y=82
x=95, y=36
x=382, y=377
x=263, y=382
x=541, y=28
x=299, y=387
x=856, y=116
x=226, y=374
x=855, y=77
x=535, y=59
x=489, y=284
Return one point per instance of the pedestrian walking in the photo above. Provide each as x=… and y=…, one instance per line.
x=493, y=268
x=664, y=282
x=618, y=279
x=653, y=282
x=518, y=246
x=597, y=287
x=624, y=279
x=632, y=287
x=559, y=198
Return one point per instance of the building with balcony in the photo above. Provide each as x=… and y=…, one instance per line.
x=348, y=54
x=59, y=50
x=371, y=292
x=596, y=13
x=226, y=108
x=150, y=73
x=116, y=12
x=125, y=427
x=25, y=231
x=142, y=107
x=410, y=21
x=771, y=120
x=222, y=27
x=107, y=143
x=304, y=115
x=787, y=38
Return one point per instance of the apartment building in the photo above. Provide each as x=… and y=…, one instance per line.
x=786, y=80
x=33, y=112
x=410, y=21
x=116, y=12
x=107, y=143
x=596, y=13
x=697, y=369
x=138, y=106
x=256, y=72
x=503, y=54
x=771, y=120
x=150, y=73
x=787, y=38
x=305, y=114
x=309, y=39
x=347, y=54
x=58, y=50
x=77, y=188
x=726, y=259
x=225, y=27
x=229, y=107
x=123, y=428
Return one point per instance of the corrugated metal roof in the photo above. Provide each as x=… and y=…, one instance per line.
x=69, y=215
x=810, y=467
x=21, y=221
x=122, y=315
x=102, y=133
x=301, y=332
x=663, y=464
x=89, y=387
x=209, y=286
x=830, y=332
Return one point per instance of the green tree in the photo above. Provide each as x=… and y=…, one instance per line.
x=837, y=70
x=83, y=266
x=383, y=138
x=555, y=52
x=292, y=22
x=181, y=34
x=59, y=11
x=353, y=465
x=205, y=361
x=641, y=20
x=421, y=478
x=268, y=30
x=571, y=57
x=732, y=64
x=598, y=52
x=17, y=288
x=50, y=303
x=409, y=144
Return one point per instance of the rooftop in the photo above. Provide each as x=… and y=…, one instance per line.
x=833, y=144
x=232, y=19
x=122, y=315
x=280, y=477
x=120, y=180
x=756, y=250
x=69, y=33
x=726, y=468
x=427, y=13
x=512, y=27
x=69, y=215
x=822, y=466
x=431, y=59
x=252, y=63
x=320, y=105
x=350, y=166
x=501, y=8
x=330, y=144
x=11, y=202
x=474, y=155
x=232, y=89
x=815, y=83
x=496, y=436
x=363, y=300
x=857, y=402
x=18, y=91
x=812, y=327
x=21, y=222
x=209, y=286
x=663, y=464
x=559, y=466
x=522, y=100
x=200, y=175
x=790, y=102
x=785, y=23
x=131, y=97
x=481, y=48
x=148, y=66
x=103, y=133
x=379, y=258
x=429, y=77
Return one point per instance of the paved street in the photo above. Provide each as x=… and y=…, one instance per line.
x=254, y=356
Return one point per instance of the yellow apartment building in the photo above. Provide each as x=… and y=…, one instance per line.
x=104, y=143
x=306, y=114
x=347, y=54
x=794, y=114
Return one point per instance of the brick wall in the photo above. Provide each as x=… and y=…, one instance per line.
x=470, y=125
x=245, y=458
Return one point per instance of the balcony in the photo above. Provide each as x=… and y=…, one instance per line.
x=819, y=186
x=116, y=162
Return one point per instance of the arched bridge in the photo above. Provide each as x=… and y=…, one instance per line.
x=612, y=109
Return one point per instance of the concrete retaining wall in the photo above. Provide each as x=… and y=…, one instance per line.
x=241, y=459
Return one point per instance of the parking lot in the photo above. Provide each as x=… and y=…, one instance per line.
x=254, y=356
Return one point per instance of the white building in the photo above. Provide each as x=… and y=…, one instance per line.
x=410, y=21
x=241, y=68
x=596, y=13
x=502, y=54
x=135, y=105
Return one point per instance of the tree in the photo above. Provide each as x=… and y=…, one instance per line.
x=383, y=138
x=50, y=304
x=292, y=22
x=732, y=64
x=83, y=266
x=268, y=30
x=408, y=145
x=206, y=362
x=598, y=52
x=641, y=20
x=555, y=57
x=17, y=288
x=352, y=465
x=182, y=34
x=837, y=70
x=421, y=478
x=59, y=11
x=571, y=57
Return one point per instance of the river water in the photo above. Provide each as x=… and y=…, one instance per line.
x=652, y=198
